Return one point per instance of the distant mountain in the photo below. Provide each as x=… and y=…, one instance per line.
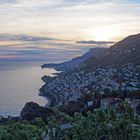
x=122, y=53
x=22, y=37
x=70, y=65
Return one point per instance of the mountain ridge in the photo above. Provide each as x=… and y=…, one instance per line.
x=124, y=52
x=75, y=62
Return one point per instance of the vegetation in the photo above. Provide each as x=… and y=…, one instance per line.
x=98, y=125
x=22, y=130
x=120, y=123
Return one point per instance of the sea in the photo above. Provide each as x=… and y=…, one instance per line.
x=20, y=82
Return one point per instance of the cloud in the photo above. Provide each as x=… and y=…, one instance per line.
x=70, y=19
x=7, y=1
x=23, y=37
x=24, y=47
x=96, y=42
x=45, y=25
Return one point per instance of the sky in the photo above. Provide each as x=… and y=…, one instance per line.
x=61, y=24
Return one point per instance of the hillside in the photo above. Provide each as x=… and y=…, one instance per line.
x=122, y=53
x=115, y=70
x=75, y=62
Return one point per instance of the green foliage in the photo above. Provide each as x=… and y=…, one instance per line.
x=22, y=130
x=99, y=125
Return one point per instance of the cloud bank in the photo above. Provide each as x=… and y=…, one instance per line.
x=25, y=47
x=71, y=19
x=96, y=42
x=53, y=22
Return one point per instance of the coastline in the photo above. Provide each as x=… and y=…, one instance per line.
x=19, y=80
x=52, y=98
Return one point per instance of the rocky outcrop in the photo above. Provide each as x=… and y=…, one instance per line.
x=46, y=78
x=32, y=110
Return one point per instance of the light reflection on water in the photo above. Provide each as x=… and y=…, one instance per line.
x=20, y=83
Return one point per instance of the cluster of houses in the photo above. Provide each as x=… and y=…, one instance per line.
x=71, y=86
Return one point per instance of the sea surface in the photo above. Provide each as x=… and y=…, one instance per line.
x=19, y=83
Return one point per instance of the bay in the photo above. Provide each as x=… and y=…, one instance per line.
x=20, y=82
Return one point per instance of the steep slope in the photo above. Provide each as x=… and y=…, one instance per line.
x=122, y=53
x=125, y=51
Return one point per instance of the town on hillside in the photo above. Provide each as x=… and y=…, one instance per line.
x=103, y=83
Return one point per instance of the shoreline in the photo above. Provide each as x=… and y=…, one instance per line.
x=52, y=98
x=29, y=74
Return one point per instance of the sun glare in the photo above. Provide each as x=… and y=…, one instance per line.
x=101, y=34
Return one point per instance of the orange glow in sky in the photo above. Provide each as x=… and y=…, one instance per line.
x=65, y=22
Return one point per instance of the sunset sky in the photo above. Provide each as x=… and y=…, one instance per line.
x=63, y=22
